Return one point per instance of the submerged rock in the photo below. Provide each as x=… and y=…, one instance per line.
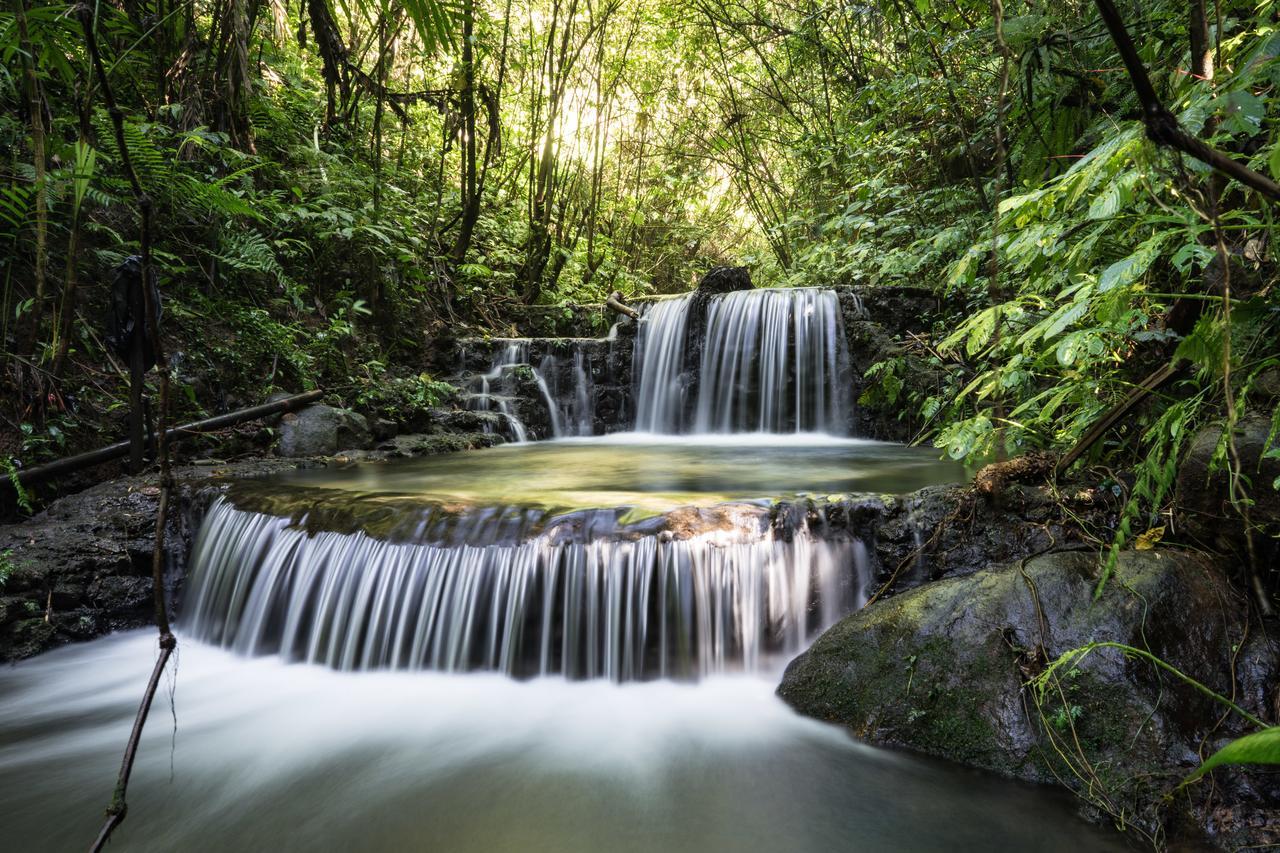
x=944, y=669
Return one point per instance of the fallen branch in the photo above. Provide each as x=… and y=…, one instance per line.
x=120, y=449
x=614, y=302
x=992, y=479
x=1162, y=126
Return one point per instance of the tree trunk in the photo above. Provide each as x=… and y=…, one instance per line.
x=470, y=193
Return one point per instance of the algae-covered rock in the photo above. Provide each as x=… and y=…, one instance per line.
x=944, y=669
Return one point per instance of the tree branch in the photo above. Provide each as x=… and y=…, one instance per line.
x=1162, y=126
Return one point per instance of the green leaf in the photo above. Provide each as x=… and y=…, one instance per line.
x=1065, y=316
x=1258, y=748
x=1128, y=270
x=1242, y=112
x=1107, y=204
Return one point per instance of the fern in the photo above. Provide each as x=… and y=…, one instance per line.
x=249, y=251
x=11, y=471
x=15, y=205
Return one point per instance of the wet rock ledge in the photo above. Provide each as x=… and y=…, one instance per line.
x=82, y=567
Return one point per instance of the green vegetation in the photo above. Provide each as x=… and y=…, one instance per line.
x=1262, y=747
x=336, y=183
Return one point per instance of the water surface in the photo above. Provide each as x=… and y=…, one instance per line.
x=269, y=756
x=646, y=470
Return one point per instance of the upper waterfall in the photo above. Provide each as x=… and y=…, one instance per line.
x=750, y=361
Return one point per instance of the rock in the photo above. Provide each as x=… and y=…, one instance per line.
x=725, y=280
x=1266, y=386
x=942, y=669
x=427, y=445
x=1205, y=513
x=383, y=429
x=465, y=421
x=322, y=431
x=275, y=397
x=85, y=561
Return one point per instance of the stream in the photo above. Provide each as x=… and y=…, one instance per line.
x=568, y=645
x=270, y=756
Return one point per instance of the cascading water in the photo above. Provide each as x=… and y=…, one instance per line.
x=568, y=410
x=490, y=590
x=661, y=383
x=771, y=361
x=484, y=399
x=624, y=607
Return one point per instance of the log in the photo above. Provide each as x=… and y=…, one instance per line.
x=614, y=301
x=120, y=449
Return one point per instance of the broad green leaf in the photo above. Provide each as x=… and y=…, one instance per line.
x=1258, y=748
x=1066, y=316
x=1106, y=204
x=1242, y=112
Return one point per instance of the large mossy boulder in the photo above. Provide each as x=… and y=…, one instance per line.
x=322, y=431
x=945, y=669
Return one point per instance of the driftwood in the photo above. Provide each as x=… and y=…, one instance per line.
x=120, y=449
x=614, y=302
x=992, y=479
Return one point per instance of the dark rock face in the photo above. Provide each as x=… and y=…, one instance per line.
x=1206, y=514
x=322, y=431
x=944, y=669
x=82, y=567
x=949, y=531
x=587, y=380
x=725, y=280
x=874, y=319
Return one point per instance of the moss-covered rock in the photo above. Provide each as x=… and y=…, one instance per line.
x=944, y=669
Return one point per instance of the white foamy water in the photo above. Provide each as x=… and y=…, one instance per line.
x=269, y=756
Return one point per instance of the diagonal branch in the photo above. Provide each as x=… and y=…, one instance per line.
x=1162, y=125
x=118, y=808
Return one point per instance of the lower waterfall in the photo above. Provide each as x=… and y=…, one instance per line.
x=628, y=607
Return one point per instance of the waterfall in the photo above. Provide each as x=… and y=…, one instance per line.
x=770, y=361
x=568, y=409
x=630, y=606
x=660, y=381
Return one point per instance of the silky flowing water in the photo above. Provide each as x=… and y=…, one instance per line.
x=270, y=756
x=559, y=646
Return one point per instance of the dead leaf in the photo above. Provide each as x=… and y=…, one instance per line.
x=1148, y=540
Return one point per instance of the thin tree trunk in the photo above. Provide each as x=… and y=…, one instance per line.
x=470, y=193
x=35, y=102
